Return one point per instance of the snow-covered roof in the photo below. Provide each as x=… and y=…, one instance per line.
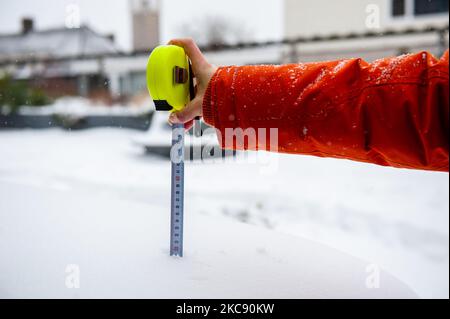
x=55, y=43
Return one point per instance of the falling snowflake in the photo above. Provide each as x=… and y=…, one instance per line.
x=305, y=131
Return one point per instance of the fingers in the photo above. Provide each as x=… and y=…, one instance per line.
x=193, y=51
x=200, y=67
x=191, y=111
x=187, y=125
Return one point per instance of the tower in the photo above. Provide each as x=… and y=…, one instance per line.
x=145, y=19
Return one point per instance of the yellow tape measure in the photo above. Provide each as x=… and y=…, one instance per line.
x=170, y=83
x=169, y=78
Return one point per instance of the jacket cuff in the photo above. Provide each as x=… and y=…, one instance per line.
x=209, y=112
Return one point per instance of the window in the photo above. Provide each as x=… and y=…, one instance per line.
x=399, y=8
x=417, y=8
x=422, y=7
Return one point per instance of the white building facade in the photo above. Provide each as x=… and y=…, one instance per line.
x=325, y=17
x=305, y=18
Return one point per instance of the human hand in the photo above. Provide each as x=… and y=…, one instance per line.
x=203, y=72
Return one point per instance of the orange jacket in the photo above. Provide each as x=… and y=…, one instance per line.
x=392, y=112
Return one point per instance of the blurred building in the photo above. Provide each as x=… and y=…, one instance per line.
x=53, y=59
x=322, y=30
x=127, y=74
x=317, y=18
x=79, y=61
x=83, y=62
x=54, y=43
x=325, y=17
x=145, y=19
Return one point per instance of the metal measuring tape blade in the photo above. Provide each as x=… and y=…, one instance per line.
x=177, y=191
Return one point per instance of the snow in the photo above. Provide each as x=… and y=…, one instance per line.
x=121, y=251
x=80, y=107
x=93, y=199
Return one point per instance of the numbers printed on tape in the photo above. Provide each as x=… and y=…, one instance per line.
x=177, y=196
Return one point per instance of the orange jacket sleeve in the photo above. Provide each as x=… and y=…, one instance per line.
x=392, y=112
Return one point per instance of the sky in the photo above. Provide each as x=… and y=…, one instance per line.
x=263, y=19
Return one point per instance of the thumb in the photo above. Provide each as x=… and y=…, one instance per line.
x=191, y=111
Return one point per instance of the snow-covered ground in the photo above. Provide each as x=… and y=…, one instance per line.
x=82, y=107
x=93, y=199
